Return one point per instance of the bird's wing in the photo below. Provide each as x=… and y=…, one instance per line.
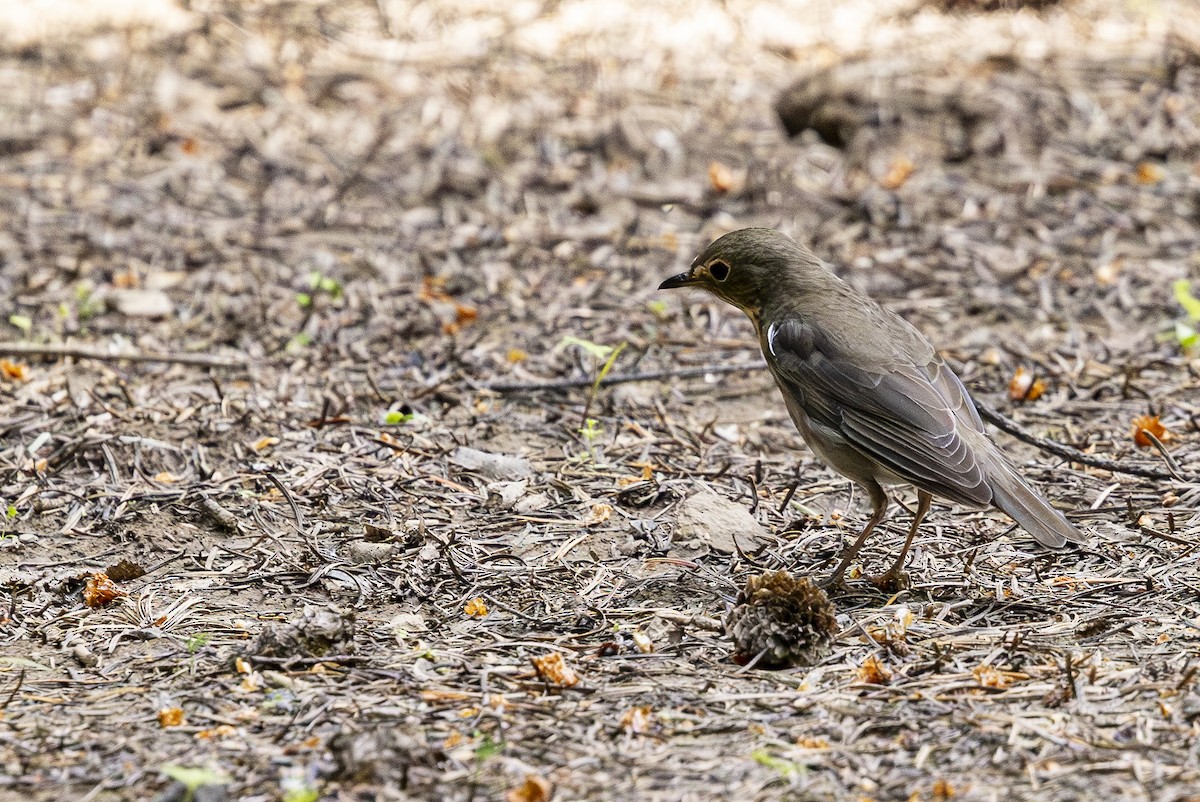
x=908, y=418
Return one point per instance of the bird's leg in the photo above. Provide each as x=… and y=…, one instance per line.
x=879, y=502
x=894, y=579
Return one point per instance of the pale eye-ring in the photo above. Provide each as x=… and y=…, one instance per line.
x=719, y=270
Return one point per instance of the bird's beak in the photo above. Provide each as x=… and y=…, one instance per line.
x=674, y=282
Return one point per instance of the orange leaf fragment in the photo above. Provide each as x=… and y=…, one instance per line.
x=263, y=443
x=100, y=590
x=1145, y=425
x=722, y=177
x=516, y=355
x=464, y=314
x=433, y=289
x=554, y=669
x=222, y=731
x=873, y=672
x=166, y=478
x=637, y=720
x=1024, y=386
x=1149, y=173
x=14, y=370
x=170, y=716
x=990, y=677
x=942, y=790
x=599, y=514
x=476, y=608
x=534, y=789
x=898, y=173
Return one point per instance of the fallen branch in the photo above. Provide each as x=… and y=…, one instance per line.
x=1006, y=424
x=616, y=378
x=988, y=413
x=86, y=352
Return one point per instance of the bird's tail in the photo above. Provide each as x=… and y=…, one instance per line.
x=1013, y=495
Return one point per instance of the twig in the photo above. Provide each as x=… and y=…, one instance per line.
x=988, y=413
x=1006, y=424
x=616, y=378
x=87, y=352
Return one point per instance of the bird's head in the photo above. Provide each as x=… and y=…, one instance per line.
x=748, y=267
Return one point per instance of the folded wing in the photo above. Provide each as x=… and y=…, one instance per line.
x=909, y=419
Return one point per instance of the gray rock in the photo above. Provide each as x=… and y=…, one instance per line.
x=706, y=519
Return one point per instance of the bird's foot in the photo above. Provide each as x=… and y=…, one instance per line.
x=894, y=580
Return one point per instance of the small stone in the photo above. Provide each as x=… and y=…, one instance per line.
x=706, y=519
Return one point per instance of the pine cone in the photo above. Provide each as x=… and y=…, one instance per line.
x=789, y=621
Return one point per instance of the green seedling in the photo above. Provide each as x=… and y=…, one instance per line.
x=598, y=352
x=785, y=768
x=192, y=778
x=397, y=418
x=22, y=322
x=1186, y=332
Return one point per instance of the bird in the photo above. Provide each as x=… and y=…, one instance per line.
x=867, y=391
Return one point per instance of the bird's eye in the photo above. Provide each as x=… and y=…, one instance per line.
x=719, y=271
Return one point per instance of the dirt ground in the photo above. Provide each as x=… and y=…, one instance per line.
x=353, y=244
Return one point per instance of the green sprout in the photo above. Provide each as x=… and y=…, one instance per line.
x=1186, y=332
x=319, y=284
x=86, y=304
x=786, y=768
x=197, y=642
x=22, y=322
x=193, y=778
x=487, y=747
x=598, y=352
x=591, y=430
x=397, y=418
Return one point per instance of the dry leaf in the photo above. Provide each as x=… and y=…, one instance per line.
x=170, y=716
x=1024, y=386
x=1149, y=173
x=14, y=370
x=599, y=514
x=433, y=289
x=262, y=444
x=554, y=669
x=873, y=672
x=126, y=279
x=222, y=731
x=1151, y=424
x=476, y=608
x=942, y=790
x=100, y=590
x=534, y=789
x=637, y=720
x=166, y=478
x=723, y=178
x=642, y=641
x=464, y=314
x=990, y=677
x=898, y=173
